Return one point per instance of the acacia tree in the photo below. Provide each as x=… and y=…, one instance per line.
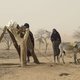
x=7, y=40
x=46, y=36
x=39, y=37
x=77, y=34
x=42, y=36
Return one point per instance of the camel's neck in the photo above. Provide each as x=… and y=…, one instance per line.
x=19, y=40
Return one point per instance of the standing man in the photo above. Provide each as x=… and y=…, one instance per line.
x=30, y=42
x=56, y=40
x=26, y=25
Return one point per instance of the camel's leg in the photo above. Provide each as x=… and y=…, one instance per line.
x=23, y=54
x=14, y=42
x=23, y=47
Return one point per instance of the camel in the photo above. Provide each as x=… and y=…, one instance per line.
x=20, y=43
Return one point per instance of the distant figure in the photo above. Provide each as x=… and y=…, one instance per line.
x=56, y=40
x=26, y=25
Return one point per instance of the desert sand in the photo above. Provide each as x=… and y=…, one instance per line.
x=10, y=67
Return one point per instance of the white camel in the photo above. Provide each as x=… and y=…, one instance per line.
x=20, y=43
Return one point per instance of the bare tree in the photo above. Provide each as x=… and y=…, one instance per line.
x=46, y=36
x=39, y=37
x=42, y=36
x=40, y=40
x=77, y=34
x=7, y=40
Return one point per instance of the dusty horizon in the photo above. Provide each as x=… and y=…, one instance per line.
x=64, y=15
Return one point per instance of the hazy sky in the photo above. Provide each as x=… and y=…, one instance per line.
x=64, y=15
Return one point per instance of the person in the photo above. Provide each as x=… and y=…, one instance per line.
x=26, y=25
x=56, y=40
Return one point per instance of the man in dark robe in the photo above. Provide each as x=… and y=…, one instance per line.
x=26, y=25
x=56, y=40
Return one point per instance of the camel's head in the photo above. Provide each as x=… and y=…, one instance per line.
x=16, y=29
x=21, y=31
x=13, y=27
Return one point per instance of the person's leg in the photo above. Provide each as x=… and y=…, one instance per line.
x=28, y=55
x=54, y=51
x=28, y=60
x=54, y=59
x=57, y=51
x=58, y=60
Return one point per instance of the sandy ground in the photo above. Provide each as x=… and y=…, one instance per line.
x=10, y=68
